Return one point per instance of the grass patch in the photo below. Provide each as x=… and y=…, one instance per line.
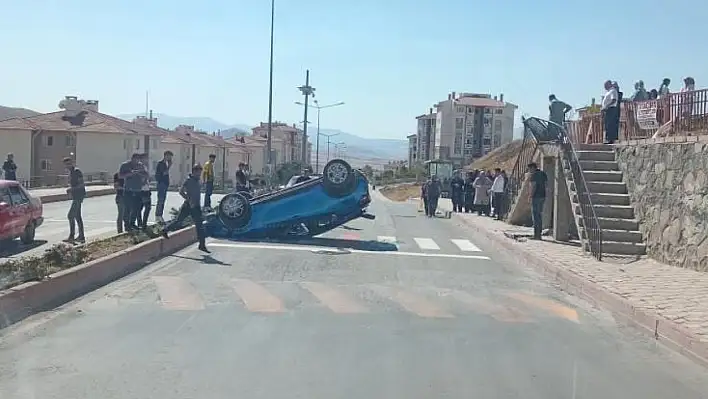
x=401, y=192
x=64, y=256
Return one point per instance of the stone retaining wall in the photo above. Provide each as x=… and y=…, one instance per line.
x=668, y=184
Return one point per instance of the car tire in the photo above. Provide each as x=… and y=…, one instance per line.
x=339, y=179
x=27, y=236
x=234, y=211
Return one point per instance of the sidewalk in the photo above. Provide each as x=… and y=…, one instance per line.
x=670, y=303
x=56, y=194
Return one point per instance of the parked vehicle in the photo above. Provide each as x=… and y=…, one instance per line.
x=320, y=204
x=20, y=212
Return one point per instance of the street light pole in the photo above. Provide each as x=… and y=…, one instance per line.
x=269, y=157
x=307, y=91
x=319, y=108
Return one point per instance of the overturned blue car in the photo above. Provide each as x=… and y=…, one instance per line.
x=313, y=207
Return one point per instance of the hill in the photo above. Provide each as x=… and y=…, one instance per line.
x=10, y=112
x=503, y=157
x=199, y=122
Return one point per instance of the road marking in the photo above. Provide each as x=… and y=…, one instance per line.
x=547, y=305
x=256, y=298
x=354, y=251
x=496, y=311
x=387, y=240
x=413, y=303
x=177, y=294
x=466, y=245
x=426, y=243
x=333, y=299
x=350, y=236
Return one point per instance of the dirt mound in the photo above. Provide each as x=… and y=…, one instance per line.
x=503, y=157
x=401, y=192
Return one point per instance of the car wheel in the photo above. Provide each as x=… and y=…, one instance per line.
x=339, y=178
x=27, y=236
x=235, y=211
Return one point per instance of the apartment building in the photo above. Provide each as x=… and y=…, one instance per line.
x=464, y=127
x=290, y=140
x=412, y=149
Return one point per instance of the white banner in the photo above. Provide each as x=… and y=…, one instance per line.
x=645, y=112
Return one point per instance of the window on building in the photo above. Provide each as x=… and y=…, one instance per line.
x=125, y=144
x=459, y=123
x=487, y=111
x=487, y=122
x=45, y=165
x=69, y=140
x=154, y=144
x=486, y=141
x=499, y=111
x=458, y=144
x=497, y=126
x=497, y=140
x=49, y=141
x=460, y=110
x=470, y=110
x=137, y=144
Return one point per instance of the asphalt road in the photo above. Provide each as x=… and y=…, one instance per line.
x=400, y=307
x=99, y=215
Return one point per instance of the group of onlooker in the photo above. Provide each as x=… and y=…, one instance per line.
x=481, y=191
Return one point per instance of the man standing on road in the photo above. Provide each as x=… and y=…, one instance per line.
x=537, y=196
x=120, y=206
x=145, y=205
x=77, y=191
x=457, y=194
x=133, y=173
x=162, y=178
x=208, y=177
x=192, y=193
x=432, y=191
x=10, y=168
x=498, y=194
x=241, y=179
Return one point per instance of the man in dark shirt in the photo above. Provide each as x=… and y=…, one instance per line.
x=133, y=173
x=537, y=196
x=10, y=168
x=118, y=186
x=191, y=191
x=77, y=191
x=162, y=178
x=457, y=194
x=241, y=179
x=145, y=203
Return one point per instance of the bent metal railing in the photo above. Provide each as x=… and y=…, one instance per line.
x=529, y=146
x=549, y=132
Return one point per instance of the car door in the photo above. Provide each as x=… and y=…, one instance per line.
x=7, y=226
x=21, y=212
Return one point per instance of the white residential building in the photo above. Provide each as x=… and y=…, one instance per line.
x=466, y=126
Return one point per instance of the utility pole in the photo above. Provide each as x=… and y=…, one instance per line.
x=269, y=157
x=306, y=91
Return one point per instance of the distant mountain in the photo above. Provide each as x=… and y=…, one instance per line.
x=10, y=112
x=361, y=148
x=200, y=123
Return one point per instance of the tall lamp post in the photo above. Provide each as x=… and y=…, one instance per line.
x=329, y=136
x=306, y=91
x=319, y=108
x=269, y=156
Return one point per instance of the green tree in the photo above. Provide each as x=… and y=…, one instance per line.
x=368, y=171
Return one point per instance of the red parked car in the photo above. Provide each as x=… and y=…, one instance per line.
x=20, y=212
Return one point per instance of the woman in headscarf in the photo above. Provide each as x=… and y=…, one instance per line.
x=482, y=186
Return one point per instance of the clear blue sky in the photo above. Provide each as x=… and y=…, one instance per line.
x=388, y=60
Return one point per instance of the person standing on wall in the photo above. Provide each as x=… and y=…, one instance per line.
x=610, y=112
x=77, y=192
x=191, y=193
x=537, y=181
x=208, y=178
x=162, y=178
x=10, y=167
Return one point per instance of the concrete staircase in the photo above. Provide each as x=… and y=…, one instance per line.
x=620, y=230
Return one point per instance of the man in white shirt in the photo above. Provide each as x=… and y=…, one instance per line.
x=610, y=112
x=498, y=194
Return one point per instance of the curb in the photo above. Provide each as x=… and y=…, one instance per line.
x=48, y=199
x=22, y=301
x=661, y=329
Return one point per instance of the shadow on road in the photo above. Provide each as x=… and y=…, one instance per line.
x=15, y=247
x=373, y=246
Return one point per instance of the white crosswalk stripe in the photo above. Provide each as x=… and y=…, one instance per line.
x=387, y=240
x=466, y=245
x=426, y=243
